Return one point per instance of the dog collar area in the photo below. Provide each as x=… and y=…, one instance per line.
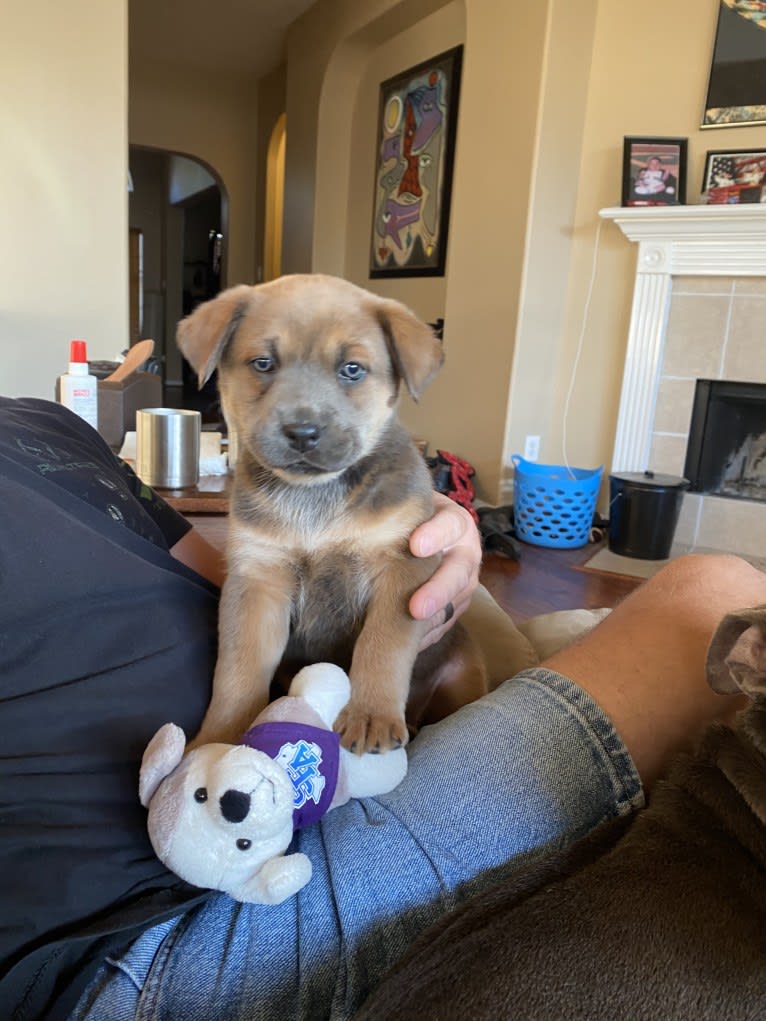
x=310, y=756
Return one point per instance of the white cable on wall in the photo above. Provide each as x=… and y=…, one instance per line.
x=580, y=343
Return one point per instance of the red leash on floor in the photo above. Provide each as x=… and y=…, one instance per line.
x=461, y=488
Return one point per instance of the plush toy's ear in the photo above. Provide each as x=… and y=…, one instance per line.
x=736, y=659
x=203, y=335
x=163, y=753
x=415, y=350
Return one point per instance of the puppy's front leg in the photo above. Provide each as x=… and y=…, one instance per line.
x=381, y=665
x=253, y=628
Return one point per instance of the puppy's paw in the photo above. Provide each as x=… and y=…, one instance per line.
x=364, y=731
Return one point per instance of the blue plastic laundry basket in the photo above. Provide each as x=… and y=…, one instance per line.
x=554, y=505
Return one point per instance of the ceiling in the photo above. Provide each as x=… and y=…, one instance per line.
x=235, y=37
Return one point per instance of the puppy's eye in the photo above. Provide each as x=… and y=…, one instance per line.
x=352, y=372
x=263, y=363
x=243, y=844
x=200, y=795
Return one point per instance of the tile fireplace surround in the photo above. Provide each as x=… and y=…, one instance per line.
x=699, y=311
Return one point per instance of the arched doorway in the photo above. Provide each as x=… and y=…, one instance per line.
x=177, y=219
x=275, y=198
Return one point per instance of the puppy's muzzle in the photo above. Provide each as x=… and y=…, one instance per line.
x=302, y=436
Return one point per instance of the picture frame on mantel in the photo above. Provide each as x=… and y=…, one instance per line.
x=653, y=171
x=417, y=127
x=736, y=92
x=734, y=177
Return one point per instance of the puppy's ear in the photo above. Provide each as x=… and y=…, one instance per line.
x=203, y=335
x=736, y=658
x=414, y=349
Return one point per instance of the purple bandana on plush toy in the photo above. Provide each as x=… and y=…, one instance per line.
x=310, y=757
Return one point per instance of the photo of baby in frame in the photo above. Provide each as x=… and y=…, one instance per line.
x=654, y=171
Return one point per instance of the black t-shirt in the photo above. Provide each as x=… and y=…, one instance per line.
x=104, y=637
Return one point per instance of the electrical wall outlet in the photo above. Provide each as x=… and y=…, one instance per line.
x=532, y=448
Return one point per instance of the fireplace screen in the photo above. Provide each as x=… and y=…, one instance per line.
x=726, y=454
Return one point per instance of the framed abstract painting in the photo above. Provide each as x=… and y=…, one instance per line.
x=417, y=125
x=736, y=92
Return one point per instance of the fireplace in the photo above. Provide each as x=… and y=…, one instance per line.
x=726, y=452
x=699, y=305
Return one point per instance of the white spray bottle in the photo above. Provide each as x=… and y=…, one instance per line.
x=78, y=388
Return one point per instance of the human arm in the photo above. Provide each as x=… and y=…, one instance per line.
x=450, y=531
x=185, y=543
x=197, y=553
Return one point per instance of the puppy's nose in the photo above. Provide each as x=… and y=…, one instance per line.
x=303, y=436
x=234, y=805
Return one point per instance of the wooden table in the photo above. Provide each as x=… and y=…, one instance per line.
x=542, y=581
x=209, y=496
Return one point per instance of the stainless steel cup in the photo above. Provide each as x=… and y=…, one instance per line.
x=167, y=447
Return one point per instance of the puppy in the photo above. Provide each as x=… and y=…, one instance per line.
x=663, y=916
x=328, y=487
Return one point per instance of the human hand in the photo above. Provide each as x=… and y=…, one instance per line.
x=447, y=593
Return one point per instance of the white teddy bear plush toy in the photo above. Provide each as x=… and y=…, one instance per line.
x=223, y=816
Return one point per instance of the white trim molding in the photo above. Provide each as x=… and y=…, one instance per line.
x=672, y=241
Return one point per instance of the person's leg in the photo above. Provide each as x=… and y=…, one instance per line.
x=645, y=663
x=531, y=766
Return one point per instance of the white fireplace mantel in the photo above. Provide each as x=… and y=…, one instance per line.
x=673, y=241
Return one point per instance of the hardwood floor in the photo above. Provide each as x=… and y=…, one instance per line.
x=547, y=579
x=541, y=581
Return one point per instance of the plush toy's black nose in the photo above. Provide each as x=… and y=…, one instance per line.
x=234, y=805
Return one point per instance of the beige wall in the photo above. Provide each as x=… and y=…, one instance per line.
x=63, y=178
x=215, y=122
x=551, y=251
x=271, y=106
x=549, y=91
x=465, y=410
x=505, y=44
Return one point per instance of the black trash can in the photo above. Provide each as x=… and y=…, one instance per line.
x=643, y=513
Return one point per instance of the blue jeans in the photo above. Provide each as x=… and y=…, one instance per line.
x=530, y=767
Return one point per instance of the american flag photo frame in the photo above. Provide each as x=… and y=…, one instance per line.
x=734, y=176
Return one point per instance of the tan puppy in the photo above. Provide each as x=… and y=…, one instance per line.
x=328, y=487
